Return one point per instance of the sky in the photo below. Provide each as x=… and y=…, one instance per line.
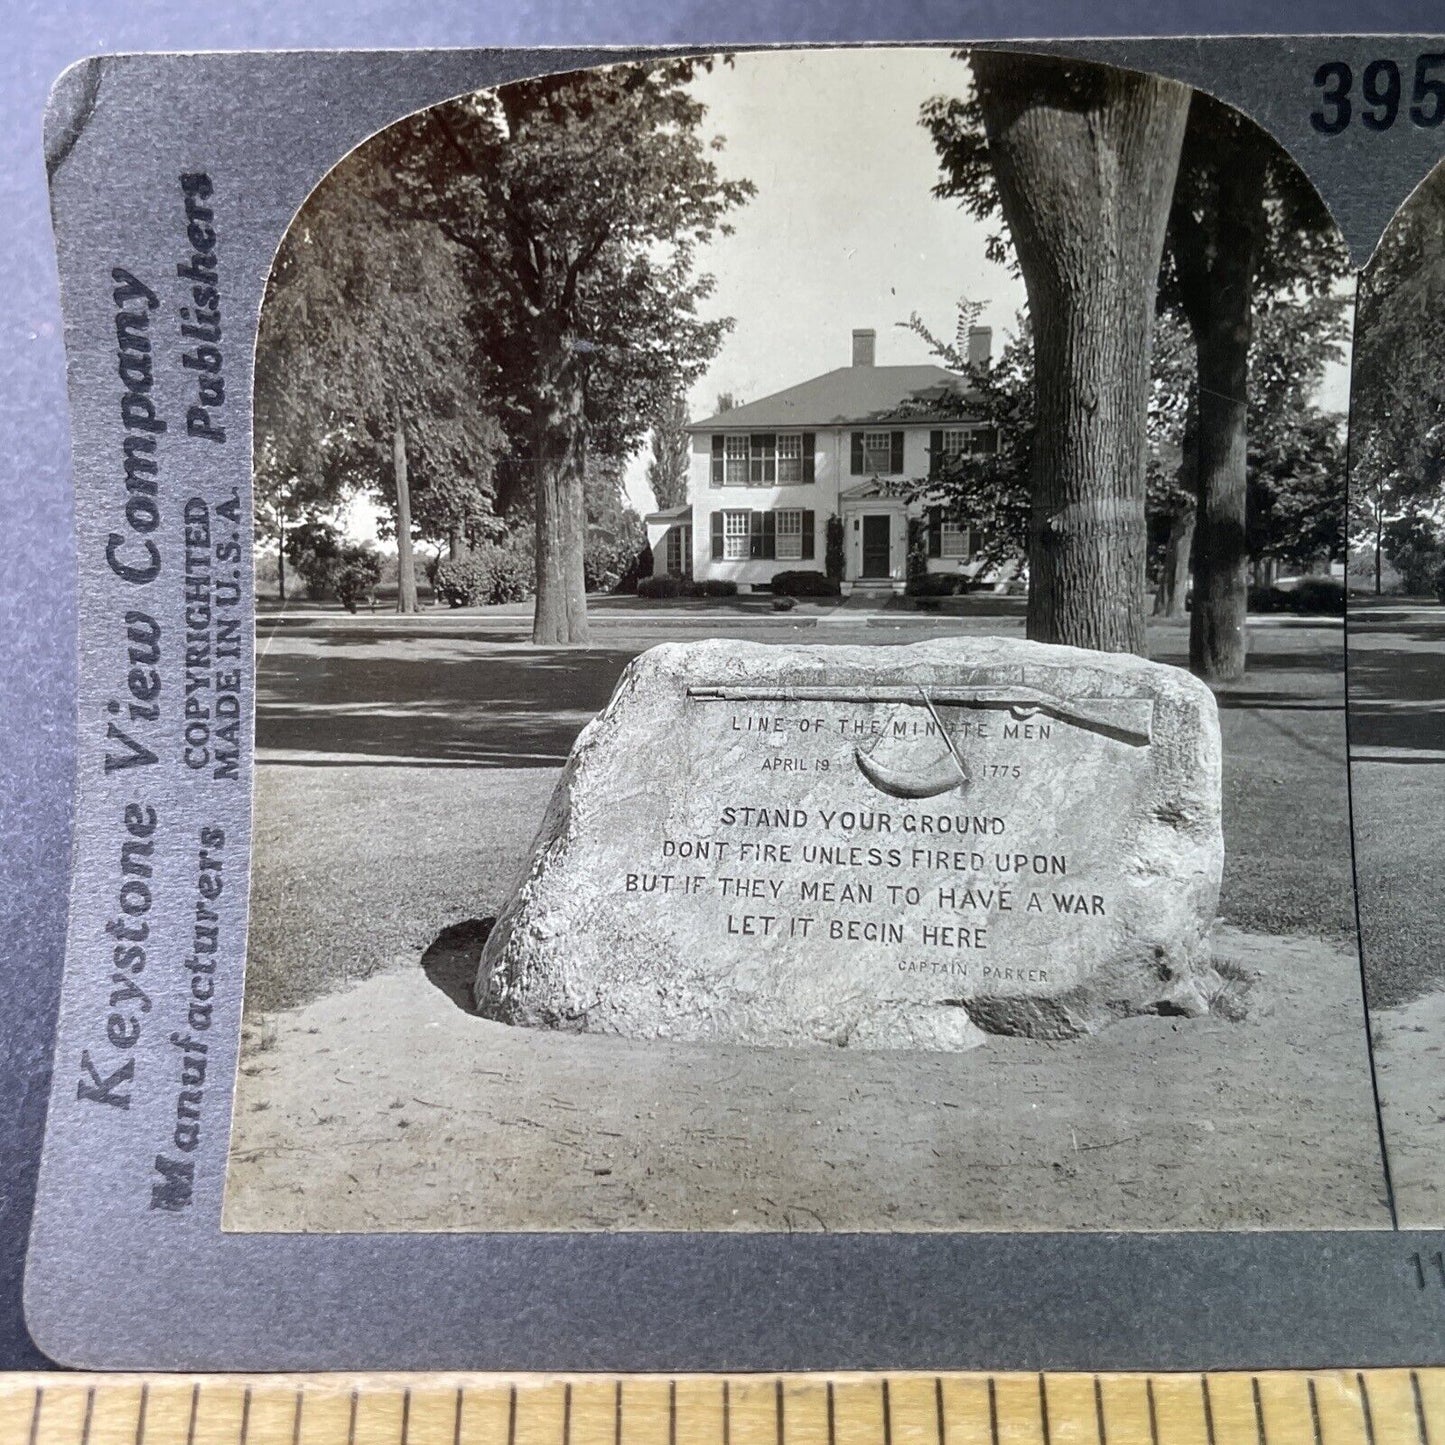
x=843, y=232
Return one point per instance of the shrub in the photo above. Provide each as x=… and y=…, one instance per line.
x=809, y=583
x=1319, y=596
x=357, y=575
x=612, y=555
x=490, y=573
x=917, y=550
x=833, y=548
x=457, y=581
x=684, y=587
x=640, y=567
x=1309, y=597
x=1266, y=599
x=937, y=584
x=1439, y=582
x=784, y=604
x=314, y=550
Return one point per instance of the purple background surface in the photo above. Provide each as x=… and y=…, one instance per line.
x=37, y=561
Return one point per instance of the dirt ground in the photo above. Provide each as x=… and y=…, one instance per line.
x=386, y=1107
x=1410, y=1057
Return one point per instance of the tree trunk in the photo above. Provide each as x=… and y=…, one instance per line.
x=1217, y=638
x=1085, y=159
x=557, y=460
x=1216, y=253
x=1174, y=582
x=405, y=563
x=456, y=544
x=281, y=556
x=1379, y=552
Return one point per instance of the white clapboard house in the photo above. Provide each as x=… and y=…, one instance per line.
x=766, y=477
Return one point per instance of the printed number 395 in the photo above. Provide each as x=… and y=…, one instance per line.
x=1381, y=91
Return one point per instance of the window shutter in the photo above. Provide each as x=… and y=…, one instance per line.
x=935, y=531
x=810, y=443
x=856, y=466
x=770, y=536
x=895, y=460
x=717, y=459
x=717, y=536
x=809, y=527
x=755, y=535
x=935, y=453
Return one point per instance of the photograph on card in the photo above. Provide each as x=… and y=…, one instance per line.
x=1397, y=687
x=801, y=665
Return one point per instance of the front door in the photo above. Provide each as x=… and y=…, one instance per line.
x=877, y=545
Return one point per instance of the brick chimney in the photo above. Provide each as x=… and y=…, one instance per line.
x=864, y=344
x=980, y=345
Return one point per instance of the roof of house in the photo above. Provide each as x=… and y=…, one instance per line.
x=837, y=398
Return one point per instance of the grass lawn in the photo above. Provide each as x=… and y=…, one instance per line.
x=1397, y=751
x=404, y=764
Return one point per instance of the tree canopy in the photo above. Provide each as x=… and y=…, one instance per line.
x=668, y=464
x=1296, y=458
x=1397, y=401
x=367, y=331
x=1246, y=230
x=581, y=200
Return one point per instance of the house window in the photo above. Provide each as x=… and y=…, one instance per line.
x=763, y=459
x=737, y=535
x=977, y=441
x=878, y=451
x=789, y=529
x=736, y=454
x=790, y=457
x=674, y=552
x=953, y=540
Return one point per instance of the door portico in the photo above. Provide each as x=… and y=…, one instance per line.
x=875, y=537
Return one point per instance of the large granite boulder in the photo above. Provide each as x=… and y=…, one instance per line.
x=878, y=847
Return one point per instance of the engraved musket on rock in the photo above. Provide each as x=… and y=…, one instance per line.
x=1040, y=853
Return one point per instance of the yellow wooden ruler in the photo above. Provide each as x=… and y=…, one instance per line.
x=1344, y=1407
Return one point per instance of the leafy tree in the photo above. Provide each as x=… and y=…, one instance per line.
x=727, y=401
x=291, y=486
x=368, y=373
x=990, y=491
x=1295, y=464
x=1296, y=457
x=1083, y=159
x=1245, y=227
x=1397, y=402
x=581, y=200
x=314, y=550
x=668, y=466
x=1413, y=545
x=287, y=490
x=987, y=492
x=1173, y=425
